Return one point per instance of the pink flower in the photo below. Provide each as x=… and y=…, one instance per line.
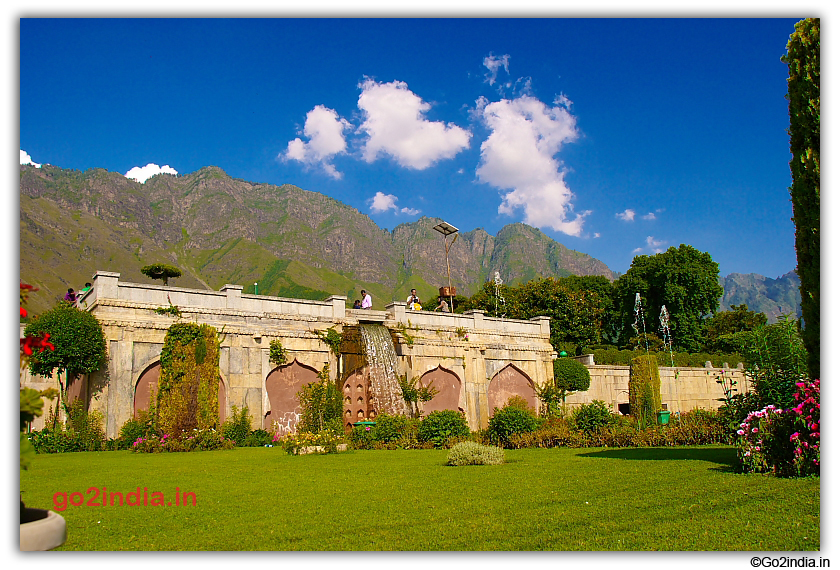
x=795, y=435
x=755, y=430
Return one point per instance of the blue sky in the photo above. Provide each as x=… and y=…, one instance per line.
x=616, y=137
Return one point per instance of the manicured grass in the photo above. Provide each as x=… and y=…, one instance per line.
x=541, y=499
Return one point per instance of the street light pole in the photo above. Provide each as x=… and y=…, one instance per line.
x=447, y=230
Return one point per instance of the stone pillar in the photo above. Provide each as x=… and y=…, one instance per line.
x=234, y=295
x=105, y=286
x=478, y=318
x=545, y=324
x=396, y=311
x=339, y=306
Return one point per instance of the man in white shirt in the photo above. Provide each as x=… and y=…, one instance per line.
x=367, y=302
x=413, y=300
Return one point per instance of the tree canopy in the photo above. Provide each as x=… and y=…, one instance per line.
x=77, y=337
x=160, y=271
x=682, y=279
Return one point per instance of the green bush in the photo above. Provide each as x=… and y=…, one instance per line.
x=258, y=438
x=441, y=425
x=237, y=426
x=132, y=430
x=471, y=453
x=361, y=437
x=614, y=356
x=390, y=428
x=54, y=441
x=205, y=439
x=87, y=426
x=509, y=421
x=590, y=417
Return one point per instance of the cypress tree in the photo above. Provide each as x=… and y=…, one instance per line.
x=803, y=59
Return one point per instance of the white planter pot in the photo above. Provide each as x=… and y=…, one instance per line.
x=43, y=534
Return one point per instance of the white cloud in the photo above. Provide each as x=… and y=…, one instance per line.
x=325, y=131
x=597, y=235
x=627, y=215
x=649, y=216
x=26, y=159
x=518, y=157
x=651, y=246
x=395, y=125
x=143, y=173
x=493, y=64
x=382, y=202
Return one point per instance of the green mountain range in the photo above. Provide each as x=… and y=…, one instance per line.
x=291, y=242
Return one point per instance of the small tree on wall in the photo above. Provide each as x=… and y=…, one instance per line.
x=645, y=399
x=188, y=390
x=569, y=376
x=161, y=271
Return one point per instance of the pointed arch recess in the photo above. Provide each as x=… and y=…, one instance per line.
x=507, y=382
x=282, y=385
x=449, y=390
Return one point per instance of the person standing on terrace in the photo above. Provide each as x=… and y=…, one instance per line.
x=367, y=302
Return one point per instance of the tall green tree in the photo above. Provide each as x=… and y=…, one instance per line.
x=683, y=279
x=803, y=59
x=575, y=313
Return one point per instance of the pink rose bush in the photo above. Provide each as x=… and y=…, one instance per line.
x=784, y=442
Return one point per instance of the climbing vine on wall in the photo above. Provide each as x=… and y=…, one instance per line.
x=188, y=390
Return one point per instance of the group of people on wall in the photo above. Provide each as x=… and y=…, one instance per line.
x=72, y=296
x=412, y=302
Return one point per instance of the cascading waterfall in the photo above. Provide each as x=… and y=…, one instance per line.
x=382, y=360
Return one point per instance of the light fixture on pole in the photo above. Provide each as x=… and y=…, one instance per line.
x=447, y=230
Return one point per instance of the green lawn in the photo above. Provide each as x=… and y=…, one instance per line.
x=541, y=499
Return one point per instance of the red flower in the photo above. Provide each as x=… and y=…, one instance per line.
x=30, y=343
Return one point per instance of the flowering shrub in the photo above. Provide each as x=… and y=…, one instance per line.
x=322, y=442
x=807, y=423
x=785, y=442
x=197, y=440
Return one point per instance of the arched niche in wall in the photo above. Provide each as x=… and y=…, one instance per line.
x=148, y=381
x=282, y=385
x=449, y=390
x=510, y=381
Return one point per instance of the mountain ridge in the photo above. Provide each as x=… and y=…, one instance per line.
x=292, y=242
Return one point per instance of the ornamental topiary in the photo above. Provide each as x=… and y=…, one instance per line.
x=570, y=376
x=160, y=271
x=645, y=399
